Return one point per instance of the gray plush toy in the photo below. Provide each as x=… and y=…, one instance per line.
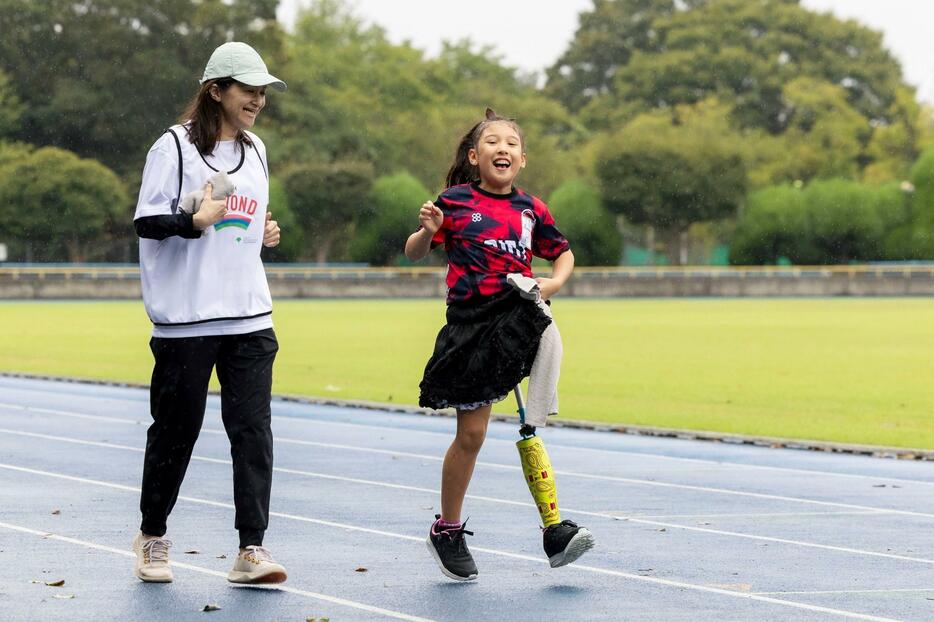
x=222, y=186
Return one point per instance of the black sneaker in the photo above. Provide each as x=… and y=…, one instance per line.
x=565, y=542
x=449, y=548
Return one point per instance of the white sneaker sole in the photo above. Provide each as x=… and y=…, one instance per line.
x=582, y=542
x=445, y=571
x=273, y=575
x=153, y=579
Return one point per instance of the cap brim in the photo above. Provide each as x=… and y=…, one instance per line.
x=261, y=79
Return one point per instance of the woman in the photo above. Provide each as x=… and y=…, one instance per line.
x=206, y=294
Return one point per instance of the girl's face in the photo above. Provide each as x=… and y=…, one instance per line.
x=241, y=105
x=499, y=157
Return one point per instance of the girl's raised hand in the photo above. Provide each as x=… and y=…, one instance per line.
x=430, y=217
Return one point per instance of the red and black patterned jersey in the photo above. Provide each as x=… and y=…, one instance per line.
x=488, y=236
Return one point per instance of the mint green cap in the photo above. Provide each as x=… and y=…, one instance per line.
x=242, y=63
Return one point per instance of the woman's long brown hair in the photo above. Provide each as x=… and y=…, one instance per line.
x=202, y=118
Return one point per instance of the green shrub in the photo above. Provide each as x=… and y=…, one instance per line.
x=591, y=229
x=392, y=216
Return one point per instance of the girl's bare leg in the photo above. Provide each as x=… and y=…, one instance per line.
x=460, y=460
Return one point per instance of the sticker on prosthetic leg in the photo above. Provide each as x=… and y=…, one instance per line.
x=536, y=466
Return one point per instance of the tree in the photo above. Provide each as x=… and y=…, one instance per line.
x=104, y=78
x=12, y=152
x=591, y=229
x=740, y=51
x=670, y=175
x=824, y=135
x=355, y=95
x=921, y=238
x=606, y=39
x=344, y=76
x=393, y=215
x=11, y=109
x=327, y=200
x=896, y=144
x=826, y=85
x=53, y=199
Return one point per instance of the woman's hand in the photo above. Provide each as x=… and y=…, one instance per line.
x=430, y=217
x=270, y=232
x=211, y=210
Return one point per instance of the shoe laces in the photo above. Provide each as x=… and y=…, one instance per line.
x=257, y=554
x=457, y=537
x=156, y=550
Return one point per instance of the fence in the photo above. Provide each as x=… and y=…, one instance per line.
x=285, y=281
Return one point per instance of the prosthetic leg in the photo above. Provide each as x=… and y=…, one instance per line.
x=564, y=541
x=536, y=466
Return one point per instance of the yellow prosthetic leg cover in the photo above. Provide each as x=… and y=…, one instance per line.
x=541, y=480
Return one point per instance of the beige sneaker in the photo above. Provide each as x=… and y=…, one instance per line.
x=152, y=559
x=255, y=565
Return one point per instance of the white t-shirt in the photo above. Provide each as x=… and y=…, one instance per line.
x=215, y=284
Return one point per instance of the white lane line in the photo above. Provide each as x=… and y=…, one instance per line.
x=339, y=478
x=519, y=556
x=72, y=414
x=616, y=515
x=434, y=492
x=215, y=573
x=512, y=467
x=882, y=591
x=621, y=452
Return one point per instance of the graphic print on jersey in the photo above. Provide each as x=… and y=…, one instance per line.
x=528, y=221
x=523, y=246
x=240, y=211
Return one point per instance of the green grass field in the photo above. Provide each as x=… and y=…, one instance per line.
x=847, y=370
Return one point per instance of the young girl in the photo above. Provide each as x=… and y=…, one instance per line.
x=205, y=291
x=490, y=230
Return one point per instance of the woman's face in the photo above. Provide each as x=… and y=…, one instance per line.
x=241, y=104
x=498, y=155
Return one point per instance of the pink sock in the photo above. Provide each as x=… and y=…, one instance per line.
x=443, y=525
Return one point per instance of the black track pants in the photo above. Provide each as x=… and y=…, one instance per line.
x=178, y=394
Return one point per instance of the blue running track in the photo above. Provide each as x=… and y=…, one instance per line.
x=685, y=530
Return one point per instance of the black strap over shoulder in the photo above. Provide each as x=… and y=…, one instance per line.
x=252, y=143
x=178, y=196
x=265, y=169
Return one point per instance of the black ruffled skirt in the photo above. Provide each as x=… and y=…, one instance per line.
x=483, y=351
